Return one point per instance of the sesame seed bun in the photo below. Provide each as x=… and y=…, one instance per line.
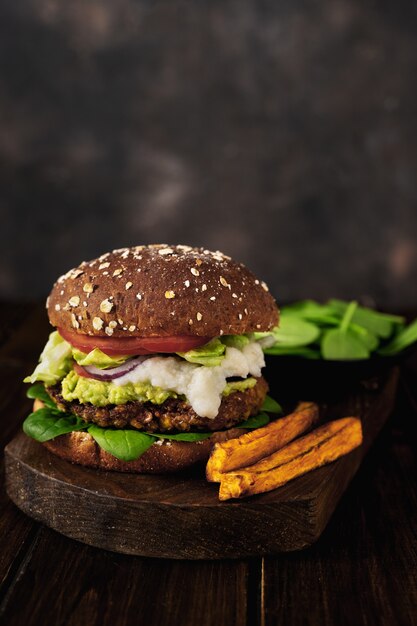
x=161, y=290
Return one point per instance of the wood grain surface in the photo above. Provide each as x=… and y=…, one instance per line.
x=361, y=571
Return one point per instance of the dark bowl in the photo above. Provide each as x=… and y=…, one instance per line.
x=292, y=377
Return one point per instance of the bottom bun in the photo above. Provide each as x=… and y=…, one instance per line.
x=169, y=456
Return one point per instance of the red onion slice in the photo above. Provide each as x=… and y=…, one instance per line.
x=89, y=371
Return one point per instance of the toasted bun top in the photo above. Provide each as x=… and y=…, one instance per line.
x=161, y=290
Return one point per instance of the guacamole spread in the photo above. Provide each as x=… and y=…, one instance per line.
x=101, y=393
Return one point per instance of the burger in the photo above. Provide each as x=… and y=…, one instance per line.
x=156, y=355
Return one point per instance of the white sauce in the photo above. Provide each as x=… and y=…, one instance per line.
x=201, y=385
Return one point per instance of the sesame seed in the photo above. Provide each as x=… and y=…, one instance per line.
x=97, y=323
x=258, y=326
x=128, y=285
x=74, y=321
x=199, y=316
x=105, y=273
x=108, y=330
x=187, y=283
x=117, y=272
x=164, y=251
x=74, y=301
x=264, y=286
x=106, y=306
x=213, y=298
x=246, y=311
x=121, y=322
x=103, y=266
x=221, y=332
x=240, y=316
x=256, y=282
x=190, y=321
x=57, y=307
x=61, y=293
x=139, y=296
x=88, y=288
x=224, y=282
x=112, y=324
x=204, y=287
x=132, y=328
x=194, y=271
x=169, y=294
x=125, y=254
x=85, y=303
x=234, y=295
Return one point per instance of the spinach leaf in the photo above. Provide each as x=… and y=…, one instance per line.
x=126, y=445
x=45, y=424
x=271, y=406
x=261, y=419
x=339, y=330
x=295, y=332
x=320, y=314
x=38, y=392
x=365, y=336
x=183, y=436
x=380, y=324
x=342, y=343
x=404, y=338
x=307, y=353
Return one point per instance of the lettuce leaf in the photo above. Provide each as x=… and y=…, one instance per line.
x=235, y=341
x=97, y=358
x=54, y=363
x=265, y=339
x=211, y=354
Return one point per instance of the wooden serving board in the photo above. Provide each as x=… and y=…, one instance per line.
x=180, y=516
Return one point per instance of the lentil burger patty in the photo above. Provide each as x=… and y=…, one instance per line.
x=172, y=415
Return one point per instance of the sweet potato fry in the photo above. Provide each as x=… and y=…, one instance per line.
x=253, y=446
x=322, y=446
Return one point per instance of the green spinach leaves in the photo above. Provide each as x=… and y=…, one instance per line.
x=125, y=444
x=339, y=330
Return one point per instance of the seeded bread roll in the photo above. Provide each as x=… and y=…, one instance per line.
x=160, y=291
x=168, y=456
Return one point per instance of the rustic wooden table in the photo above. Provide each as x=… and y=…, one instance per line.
x=363, y=570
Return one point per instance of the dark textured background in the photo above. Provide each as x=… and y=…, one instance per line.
x=283, y=133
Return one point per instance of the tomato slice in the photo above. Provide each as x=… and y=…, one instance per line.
x=133, y=345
